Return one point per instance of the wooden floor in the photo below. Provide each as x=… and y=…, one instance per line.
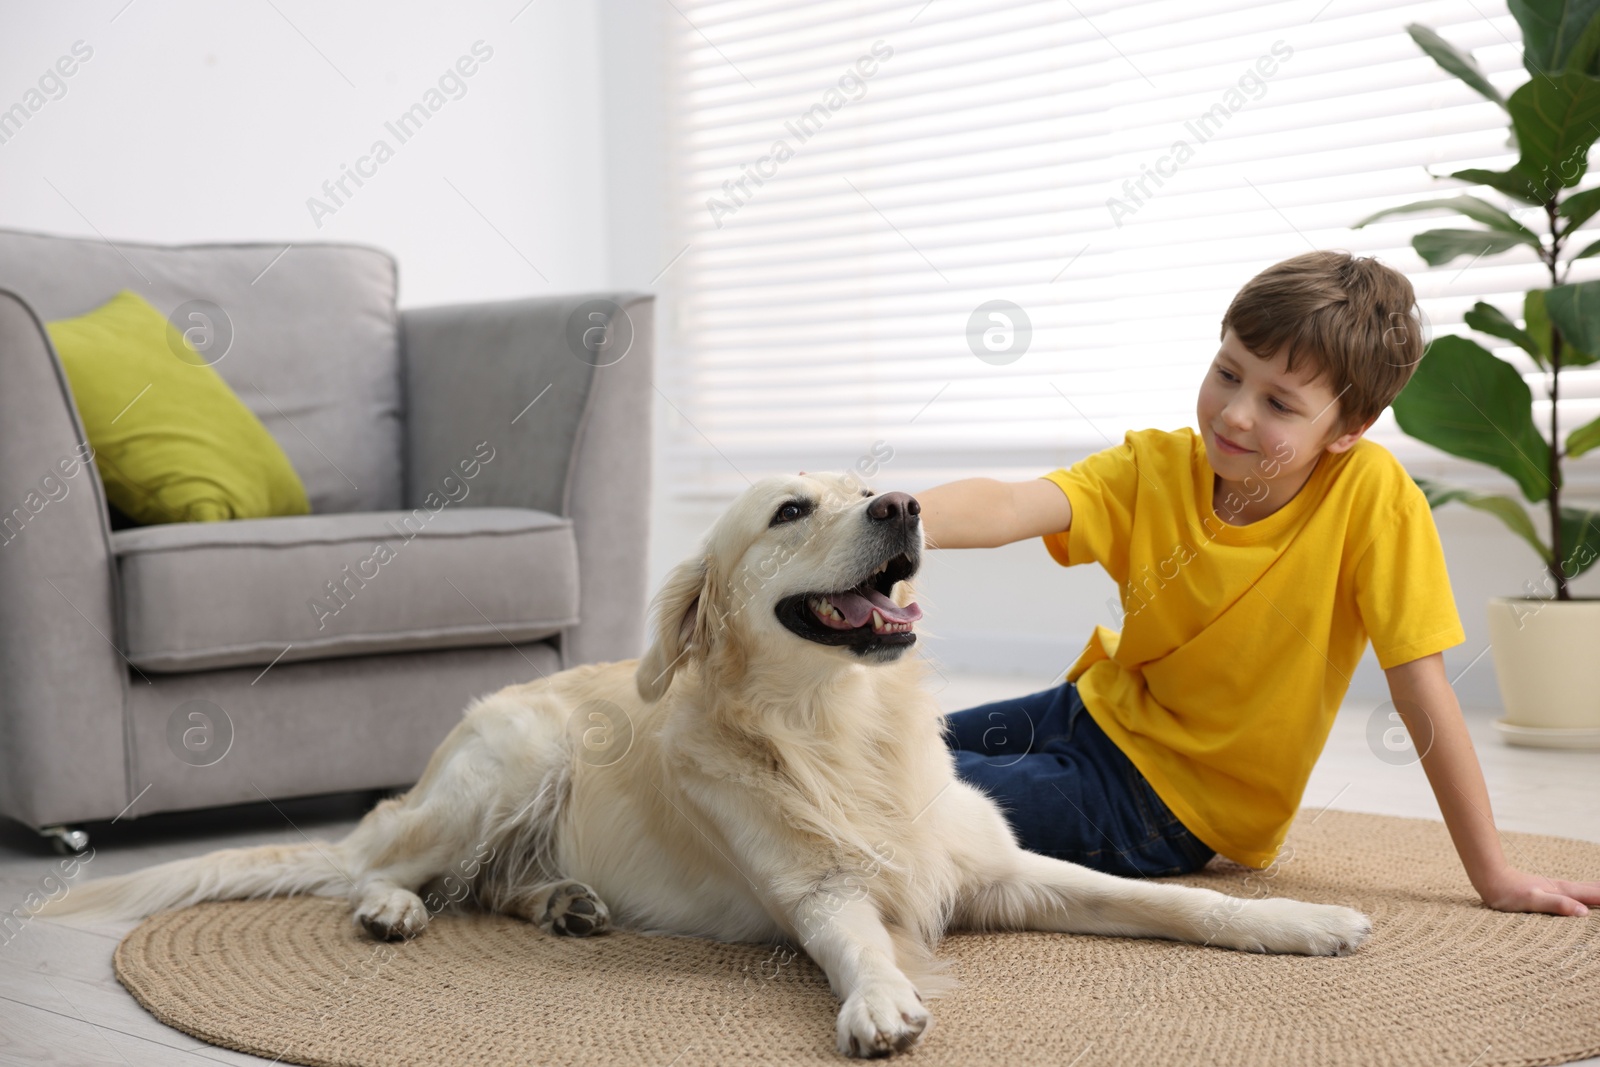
x=59, y=1003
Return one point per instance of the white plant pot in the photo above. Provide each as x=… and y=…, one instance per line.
x=1547, y=660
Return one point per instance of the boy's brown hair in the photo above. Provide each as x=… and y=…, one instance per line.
x=1355, y=320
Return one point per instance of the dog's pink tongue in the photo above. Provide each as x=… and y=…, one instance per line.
x=857, y=608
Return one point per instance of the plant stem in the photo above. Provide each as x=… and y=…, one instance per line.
x=1562, y=593
x=1556, y=572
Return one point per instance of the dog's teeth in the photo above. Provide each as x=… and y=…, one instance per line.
x=825, y=608
x=880, y=625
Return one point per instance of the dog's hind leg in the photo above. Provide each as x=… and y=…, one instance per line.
x=428, y=834
x=401, y=848
x=563, y=907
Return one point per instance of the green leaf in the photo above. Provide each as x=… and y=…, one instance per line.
x=1454, y=61
x=1507, y=509
x=1579, y=208
x=1513, y=182
x=1489, y=319
x=1463, y=400
x=1585, y=54
x=1584, y=439
x=1470, y=206
x=1556, y=119
x=1536, y=320
x=1575, y=311
x=1441, y=246
x=1537, y=323
x=1557, y=35
x=1580, y=540
x=1588, y=251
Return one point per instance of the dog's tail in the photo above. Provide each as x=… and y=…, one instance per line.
x=229, y=874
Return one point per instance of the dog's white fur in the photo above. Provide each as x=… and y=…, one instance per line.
x=749, y=785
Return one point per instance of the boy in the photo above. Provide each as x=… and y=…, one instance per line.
x=1254, y=559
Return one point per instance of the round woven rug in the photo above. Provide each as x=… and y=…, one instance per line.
x=1442, y=980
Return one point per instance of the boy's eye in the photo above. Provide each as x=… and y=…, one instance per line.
x=1225, y=375
x=1277, y=404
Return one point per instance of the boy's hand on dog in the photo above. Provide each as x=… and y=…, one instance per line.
x=1515, y=890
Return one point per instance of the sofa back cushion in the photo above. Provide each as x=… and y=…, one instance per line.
x=308, y=338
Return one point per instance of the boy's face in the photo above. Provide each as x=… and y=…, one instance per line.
x=1258, y=419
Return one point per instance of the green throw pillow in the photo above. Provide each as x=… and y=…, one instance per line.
x=172, y=442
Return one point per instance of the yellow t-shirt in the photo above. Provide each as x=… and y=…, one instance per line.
x=1238, y=642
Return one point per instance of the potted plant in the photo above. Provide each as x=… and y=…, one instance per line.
x=1464, y=400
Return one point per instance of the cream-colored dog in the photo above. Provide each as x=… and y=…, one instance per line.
x=772, y=768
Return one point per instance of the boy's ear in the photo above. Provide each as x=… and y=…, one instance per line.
x=1346, y=440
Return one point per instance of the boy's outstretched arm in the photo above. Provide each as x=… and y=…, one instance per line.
x=1428, y=707
x=987, y=513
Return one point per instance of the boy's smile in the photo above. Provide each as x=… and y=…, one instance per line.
x=1264, y=429
x=1229, y=448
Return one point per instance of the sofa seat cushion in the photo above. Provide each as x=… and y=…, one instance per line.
x=198, y=596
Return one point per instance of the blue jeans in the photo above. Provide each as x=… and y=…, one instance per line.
x=1066, y=789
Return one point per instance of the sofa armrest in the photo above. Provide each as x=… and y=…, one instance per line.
x=62, y=751
x=569, y=429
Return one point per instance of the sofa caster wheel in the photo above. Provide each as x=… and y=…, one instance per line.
x=66, y=840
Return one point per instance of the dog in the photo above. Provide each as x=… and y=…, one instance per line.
x=772, y=769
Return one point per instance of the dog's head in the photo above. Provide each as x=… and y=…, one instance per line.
x=800, y=565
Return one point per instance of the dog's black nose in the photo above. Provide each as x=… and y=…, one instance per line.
x=893, y=507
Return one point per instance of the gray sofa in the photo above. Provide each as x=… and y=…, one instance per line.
x=498, y=453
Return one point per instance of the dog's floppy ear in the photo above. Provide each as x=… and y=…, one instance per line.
x=678, y=614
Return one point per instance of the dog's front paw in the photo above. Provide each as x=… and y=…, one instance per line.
x=1278, y=924
x=575, y=910
x=392, y=914
x=1334, y=930
x=879, y=1020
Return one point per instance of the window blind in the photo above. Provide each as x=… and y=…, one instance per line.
x=855, y=185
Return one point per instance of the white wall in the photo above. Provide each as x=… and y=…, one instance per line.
x=198, y=121
x=204, y=122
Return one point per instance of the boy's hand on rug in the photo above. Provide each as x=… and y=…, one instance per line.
x=1516, y=890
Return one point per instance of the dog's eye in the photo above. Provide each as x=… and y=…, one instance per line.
x=790, y=511
x=866, y=492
